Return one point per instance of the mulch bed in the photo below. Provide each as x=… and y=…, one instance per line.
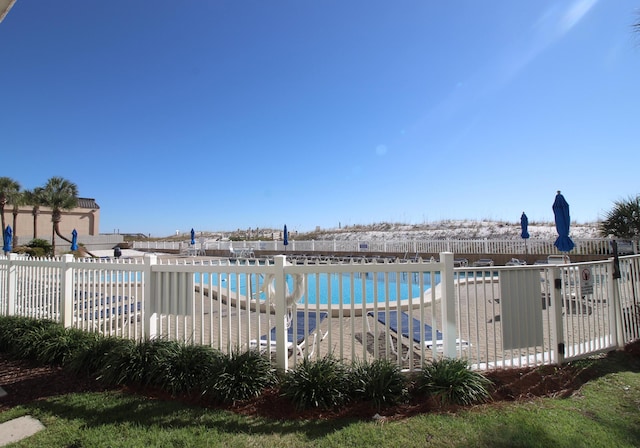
x=25, y=382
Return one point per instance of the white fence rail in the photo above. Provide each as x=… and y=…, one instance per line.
x=497, y=316
x=591, y=246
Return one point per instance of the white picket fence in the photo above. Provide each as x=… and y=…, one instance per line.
x=531, y=246
x=496, y=317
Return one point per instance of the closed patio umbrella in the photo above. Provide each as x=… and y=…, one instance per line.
x=524, y=226
x=74, y=240
x=7, y=236
x=524, y=230
x=563, y=221
x=285, y=237
x=193, y=237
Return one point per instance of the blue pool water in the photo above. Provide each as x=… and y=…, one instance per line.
x=329, y=288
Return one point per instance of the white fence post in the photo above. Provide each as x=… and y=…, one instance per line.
x=150, y=321
x=282, y=353
x=12, y=282
x=558, y=342
x=449, y=327
x=66, y=291
x=617, y=321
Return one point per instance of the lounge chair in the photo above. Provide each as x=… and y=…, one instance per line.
x=420, y=334
x=302, y=332
x=109, y=308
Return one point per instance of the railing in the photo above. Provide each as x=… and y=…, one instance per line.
x=599, y=246
x=522, y=316
x=409, y=312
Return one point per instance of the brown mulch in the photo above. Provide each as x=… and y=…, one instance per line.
x=25, y=383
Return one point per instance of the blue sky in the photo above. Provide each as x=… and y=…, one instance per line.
x=218, y=115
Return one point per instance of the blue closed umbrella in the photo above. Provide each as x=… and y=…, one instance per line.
x=74, y=240
x=286, y=237
x=524, y=230
x=193, y=237
x=563, y=221
x=524, y=226
x=7, y=236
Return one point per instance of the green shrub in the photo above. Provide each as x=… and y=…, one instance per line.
x=241, y=375
x=10, y=328
x=379, y=381
x=45, y=341
x=188, y=369
x=147, y=358
x=41, y=247
x=322, y=383
x=451, y=381
x=24, y=335
x=133, y=363
x=170, y=365
x=56, y=344
x=92, y=358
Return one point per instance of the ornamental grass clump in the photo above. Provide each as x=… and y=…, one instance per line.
x=241, y=375
x=10, y=328
x=187, y=369
x=56, y=345
x=17, y=335
x=321, y=383
x=451, y=381
x=92, y=357
x=134, y=363
x=44, y=341
x=380, y=382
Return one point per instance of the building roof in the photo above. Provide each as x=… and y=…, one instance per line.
x=5, y=6
x=87, y=202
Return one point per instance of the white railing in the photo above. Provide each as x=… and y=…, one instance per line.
x=593, y=246
x=522, y=316
x=495, y=316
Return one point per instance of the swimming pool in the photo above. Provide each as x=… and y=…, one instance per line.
x=334, y=288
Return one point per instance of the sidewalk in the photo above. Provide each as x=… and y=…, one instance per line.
x=18, y=428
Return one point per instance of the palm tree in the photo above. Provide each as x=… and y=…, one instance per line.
x=34, y=198
x=18, y=200
x=9, y=190
x=59, y=194
x=623, y=220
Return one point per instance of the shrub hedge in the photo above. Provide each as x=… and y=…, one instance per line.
x=201, y=371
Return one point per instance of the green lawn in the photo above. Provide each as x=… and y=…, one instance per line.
x=604, y=413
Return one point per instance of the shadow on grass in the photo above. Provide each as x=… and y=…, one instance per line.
x=113, y=408
x=610, y=410
x=104, y=408
x=627, y=360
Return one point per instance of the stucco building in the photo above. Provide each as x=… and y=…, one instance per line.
x=36, y=222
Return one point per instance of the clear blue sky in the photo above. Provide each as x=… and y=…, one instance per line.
x=220, y=115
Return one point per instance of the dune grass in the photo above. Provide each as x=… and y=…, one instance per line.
x=604, y=413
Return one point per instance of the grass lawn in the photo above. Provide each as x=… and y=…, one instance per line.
x=604, y=413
